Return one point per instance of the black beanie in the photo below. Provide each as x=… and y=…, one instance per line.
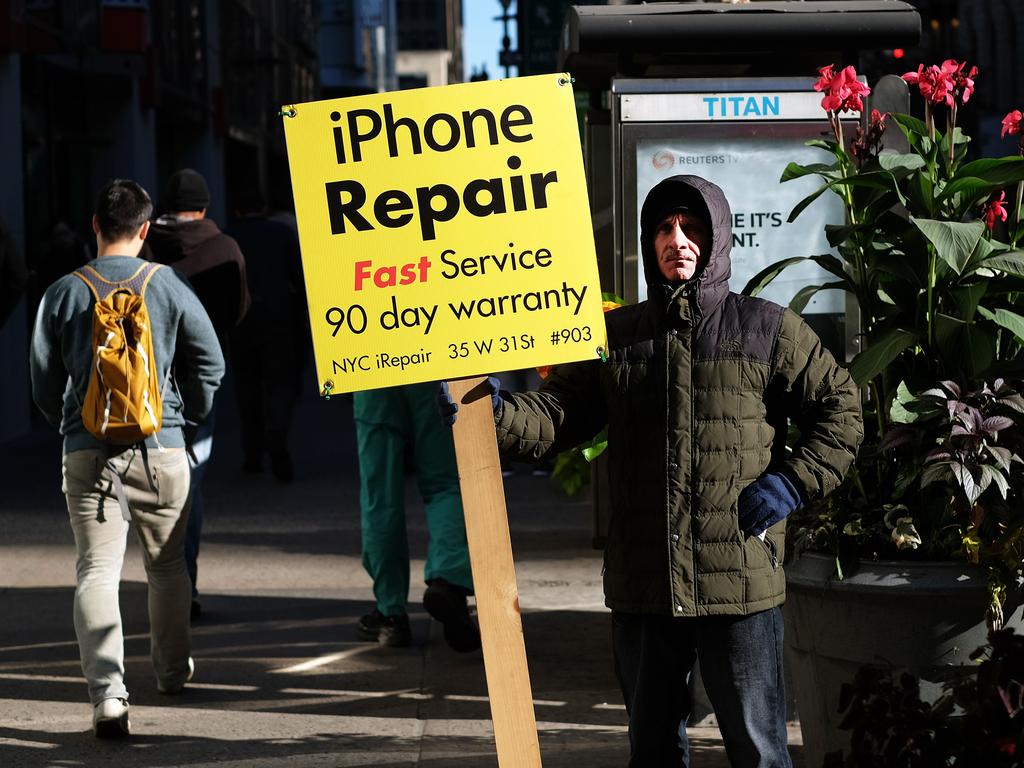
x=185, y=190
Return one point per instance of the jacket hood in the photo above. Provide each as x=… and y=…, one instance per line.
x=181, y=243
x=711, y=285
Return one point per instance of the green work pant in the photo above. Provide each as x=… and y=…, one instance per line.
x=387, y=420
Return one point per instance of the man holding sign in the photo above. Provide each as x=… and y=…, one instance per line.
x=697, y=392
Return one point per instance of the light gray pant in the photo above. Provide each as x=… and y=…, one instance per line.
x=156, y=487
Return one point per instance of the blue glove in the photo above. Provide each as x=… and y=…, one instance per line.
x=447, y=407
x=765, y=502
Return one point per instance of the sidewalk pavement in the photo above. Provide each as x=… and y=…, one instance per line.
x=280, y=678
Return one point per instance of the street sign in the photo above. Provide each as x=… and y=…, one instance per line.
x=445, y=232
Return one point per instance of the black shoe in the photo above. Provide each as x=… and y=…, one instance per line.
x=282, y=467
x=392, y=631
x=446, y=602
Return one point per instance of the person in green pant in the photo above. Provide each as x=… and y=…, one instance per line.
x=392, y=424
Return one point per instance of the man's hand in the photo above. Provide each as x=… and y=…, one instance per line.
x=448, y=408
x=765, y=502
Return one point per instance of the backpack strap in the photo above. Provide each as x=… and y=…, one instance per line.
x=101, y=287
x=88, y=278
x=146, y=271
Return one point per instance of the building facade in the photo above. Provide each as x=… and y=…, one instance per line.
x=98, y=90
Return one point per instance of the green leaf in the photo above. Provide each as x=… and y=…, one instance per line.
x=828, y=144
x=960, y=140
x=796, y=171
x=898, y=411
x=876, y=358
x=982, y=251
x=1004, y=318
x=1011, y=262
x=595, y=447
x=965, y=346
x=970, y=190
x=954, y=242
x=921, y=192
x=895, y=161
x=570, y=471
x=866, y=180
x=899, y=267
x=799, y=207
x=805, y=294
x=909, y=125
x=758, y=282
x=967, y=298
x=838, y=233
x=981, y=178
x=830, y=263
x=1001, y=171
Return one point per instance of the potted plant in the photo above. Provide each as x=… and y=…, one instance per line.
x=922, y=542
x=977, y=721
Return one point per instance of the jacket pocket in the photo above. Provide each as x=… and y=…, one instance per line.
x=770, y=549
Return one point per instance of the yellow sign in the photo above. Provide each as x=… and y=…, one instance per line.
x=445, y=232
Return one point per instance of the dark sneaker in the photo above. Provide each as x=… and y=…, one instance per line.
x=252, y=466
x=392, y=631
x=446, y=602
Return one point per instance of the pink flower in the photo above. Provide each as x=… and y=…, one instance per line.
x=1012, y=124
x=964, y=82
x=825, y=80
x=843, y=91
x=946, y=84
x=933, y=84
x=994, y=209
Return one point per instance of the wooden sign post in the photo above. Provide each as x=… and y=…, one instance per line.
x=494, y=577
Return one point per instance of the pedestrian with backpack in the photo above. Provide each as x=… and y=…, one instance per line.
x=125, y=360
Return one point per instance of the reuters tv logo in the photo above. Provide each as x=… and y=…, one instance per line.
x=663, y=160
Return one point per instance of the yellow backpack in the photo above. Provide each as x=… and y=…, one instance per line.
x=123, y=402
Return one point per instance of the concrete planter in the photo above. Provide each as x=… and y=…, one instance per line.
x=919, y=616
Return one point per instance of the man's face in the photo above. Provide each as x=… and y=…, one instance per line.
x=681, y=242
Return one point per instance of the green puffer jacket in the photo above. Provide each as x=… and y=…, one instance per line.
x=698, y=390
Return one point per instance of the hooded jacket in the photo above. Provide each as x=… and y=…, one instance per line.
x=210, y=260
x=698, y=390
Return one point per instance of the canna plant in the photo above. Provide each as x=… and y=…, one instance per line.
x=928, y=251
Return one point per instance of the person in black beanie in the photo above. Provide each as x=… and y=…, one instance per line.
x=213, y=263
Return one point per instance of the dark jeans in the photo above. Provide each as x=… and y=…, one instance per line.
x=202, y=447
x=741, y=665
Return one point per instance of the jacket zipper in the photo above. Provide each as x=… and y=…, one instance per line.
x=692, y=488
x=773, y=553
x=668, y=477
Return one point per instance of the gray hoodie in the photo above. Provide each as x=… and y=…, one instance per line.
x=183, y=337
